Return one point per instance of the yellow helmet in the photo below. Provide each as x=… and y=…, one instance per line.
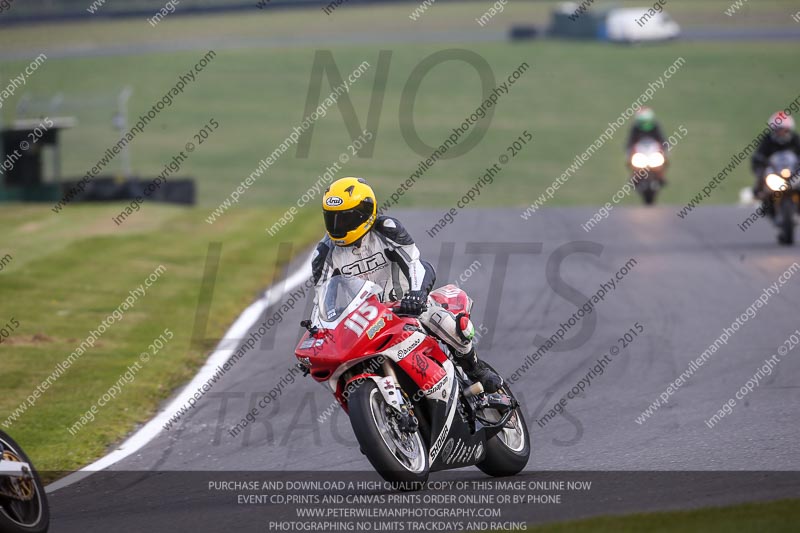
x=350, y=209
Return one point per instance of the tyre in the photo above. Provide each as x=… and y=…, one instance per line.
x=647, y=186
x=399, y=457
x=507, y=453
x=787, y=210
x=32, y=516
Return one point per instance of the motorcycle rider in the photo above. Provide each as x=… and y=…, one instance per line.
x=645, y=126
x=379, y=249
x=782, y=136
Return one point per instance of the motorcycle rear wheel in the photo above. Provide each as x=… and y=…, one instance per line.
x=507, y=453
x=17, y=516
x=399, y=457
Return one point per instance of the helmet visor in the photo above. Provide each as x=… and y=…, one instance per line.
x=340, y=223
x=782, y=134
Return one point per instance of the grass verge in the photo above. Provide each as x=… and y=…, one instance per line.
x=775, y=517
x=70, y=271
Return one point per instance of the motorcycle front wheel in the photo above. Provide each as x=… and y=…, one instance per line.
x=787, y=210
x=28, y=512
x=398, y=456
x=647, y=190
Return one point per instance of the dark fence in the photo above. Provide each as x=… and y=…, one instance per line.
x=31, y=11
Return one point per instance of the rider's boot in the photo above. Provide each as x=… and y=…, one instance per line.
x=477, y=370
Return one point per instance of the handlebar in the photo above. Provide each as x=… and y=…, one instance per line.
x=393, y=306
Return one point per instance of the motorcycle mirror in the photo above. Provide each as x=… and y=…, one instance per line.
x=308, y=325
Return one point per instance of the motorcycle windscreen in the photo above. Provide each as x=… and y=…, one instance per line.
x=335, y=296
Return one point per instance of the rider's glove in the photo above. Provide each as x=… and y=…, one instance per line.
x=413, y=303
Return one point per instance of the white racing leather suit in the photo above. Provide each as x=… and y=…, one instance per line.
x=387, y=256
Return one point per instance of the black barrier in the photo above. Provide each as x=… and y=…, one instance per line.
x=109, y=189
x=32, y=11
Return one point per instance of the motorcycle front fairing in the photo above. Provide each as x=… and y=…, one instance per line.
x=782, y=174
x=353, y=326
x=648, y=161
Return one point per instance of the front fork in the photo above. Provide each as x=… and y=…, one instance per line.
x=16, y=478
x=396, y=398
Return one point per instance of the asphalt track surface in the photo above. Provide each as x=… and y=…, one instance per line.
x=692, y=278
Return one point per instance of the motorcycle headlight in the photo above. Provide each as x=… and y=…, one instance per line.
x=786, y=173
x=775, y=182
x=639, y=160
x=656, y=160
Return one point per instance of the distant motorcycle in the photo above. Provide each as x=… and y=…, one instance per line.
x=23, y=503
x=782, y=180
x=648, y=162
x=413, y=411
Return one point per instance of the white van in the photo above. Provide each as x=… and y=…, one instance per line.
x=639, y=24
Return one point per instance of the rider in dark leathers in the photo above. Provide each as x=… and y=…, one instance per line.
x=644, y=126
x=781, y=137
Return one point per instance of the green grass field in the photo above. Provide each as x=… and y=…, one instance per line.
x=775, y=517
x=722, y=96
x=72, y=270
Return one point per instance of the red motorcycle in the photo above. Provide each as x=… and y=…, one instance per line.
x=413, y=411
